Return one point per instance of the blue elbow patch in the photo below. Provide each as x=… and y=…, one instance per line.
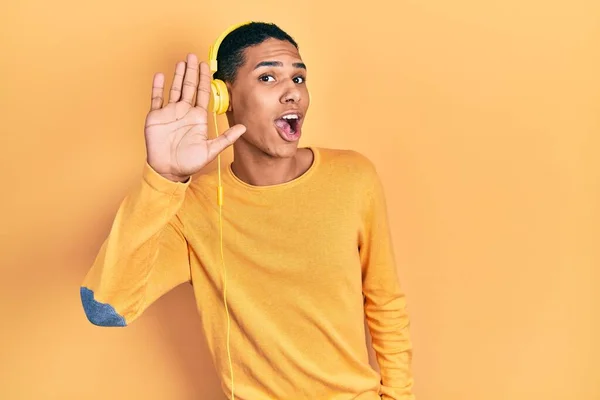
x=100, y=314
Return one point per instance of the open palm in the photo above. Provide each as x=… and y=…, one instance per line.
x=177, y=143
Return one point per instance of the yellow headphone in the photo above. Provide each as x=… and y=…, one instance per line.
x=218, y=104
x=219, y=98
x=219, y=95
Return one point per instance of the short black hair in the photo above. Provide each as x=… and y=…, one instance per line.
x=230, y=56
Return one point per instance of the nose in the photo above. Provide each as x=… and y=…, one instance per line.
x=291, y=94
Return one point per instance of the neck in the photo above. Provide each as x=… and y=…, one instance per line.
x=257, y=168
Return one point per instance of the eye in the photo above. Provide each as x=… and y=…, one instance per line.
x=265, y=78
x=299, y=79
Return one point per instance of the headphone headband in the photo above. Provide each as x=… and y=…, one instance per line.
x=214, y=49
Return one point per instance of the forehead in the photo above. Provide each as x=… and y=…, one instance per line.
x=271, y=50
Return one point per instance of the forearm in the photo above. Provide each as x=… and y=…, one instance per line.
x=389, y=323
x=123, y=279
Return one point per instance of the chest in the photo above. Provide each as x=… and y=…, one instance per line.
x=288, y=244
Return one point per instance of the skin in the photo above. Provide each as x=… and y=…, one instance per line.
x=258, y=96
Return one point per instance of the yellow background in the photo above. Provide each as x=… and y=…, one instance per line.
x=482, y=118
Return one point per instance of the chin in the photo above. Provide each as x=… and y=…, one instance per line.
x=282, y=150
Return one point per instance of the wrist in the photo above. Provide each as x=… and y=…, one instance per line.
x=175, y=178
x=165, y=175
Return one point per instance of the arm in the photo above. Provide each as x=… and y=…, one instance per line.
x=144, y=256
x=385, y=302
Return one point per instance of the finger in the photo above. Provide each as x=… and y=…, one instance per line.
x=190, y=82
x=203, y=95
x=226, y=139
x=158, y=85
x=175, y=92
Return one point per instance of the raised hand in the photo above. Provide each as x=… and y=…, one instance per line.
x=177, y=144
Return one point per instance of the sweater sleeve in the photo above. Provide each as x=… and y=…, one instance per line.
x=144, y=256
x=384, y=301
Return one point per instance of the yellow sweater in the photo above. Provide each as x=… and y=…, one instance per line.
x=305, y=261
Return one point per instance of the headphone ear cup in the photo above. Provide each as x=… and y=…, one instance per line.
x=219, y=97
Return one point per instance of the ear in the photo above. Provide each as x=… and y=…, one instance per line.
x=229, y=108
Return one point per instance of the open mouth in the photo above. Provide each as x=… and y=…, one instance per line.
x=289, y=124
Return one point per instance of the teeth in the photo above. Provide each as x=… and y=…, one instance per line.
x=290, y=116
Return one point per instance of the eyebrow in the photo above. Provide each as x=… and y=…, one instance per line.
x=278, y=64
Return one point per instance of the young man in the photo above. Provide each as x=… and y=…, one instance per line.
x=306, y=245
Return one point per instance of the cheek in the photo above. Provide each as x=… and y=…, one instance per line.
x=255, y=109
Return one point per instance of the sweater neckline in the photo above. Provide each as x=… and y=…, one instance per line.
x=285, y=185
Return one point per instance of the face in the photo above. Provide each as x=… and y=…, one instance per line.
x=270, y=98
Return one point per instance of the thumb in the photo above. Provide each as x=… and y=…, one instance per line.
x=224, y=140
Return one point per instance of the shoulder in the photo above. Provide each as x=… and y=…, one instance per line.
x=354, y=175
x=348, y=163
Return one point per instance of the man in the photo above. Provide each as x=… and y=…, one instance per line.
x=306, y=244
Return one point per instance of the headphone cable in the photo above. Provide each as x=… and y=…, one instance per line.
x=220, y=203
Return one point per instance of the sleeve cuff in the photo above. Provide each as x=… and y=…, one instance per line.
x=162, y=184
